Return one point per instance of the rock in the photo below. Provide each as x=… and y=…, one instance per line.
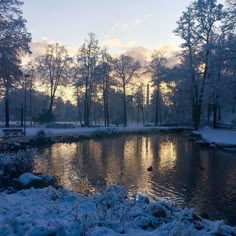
x=149, y=168
x=157, y=210
x=28, y=180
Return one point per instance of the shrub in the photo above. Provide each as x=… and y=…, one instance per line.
x=15, y=164
x=40, y=134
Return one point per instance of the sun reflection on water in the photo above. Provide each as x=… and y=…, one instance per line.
x=181, y=172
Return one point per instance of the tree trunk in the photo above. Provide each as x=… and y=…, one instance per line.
x=85, y=105
x=107, y=109
x=157, y=107
x=219, y=113
x=143, y=119
x=79, y=111
x=124, y=107
x=214, y=115
x=21, y=115
x=7, y=115
x=30, y=105
x=142, y=105
x=209, y=106
x=51, y=105
x=147, y=105
x=104, y=103
x=89, y=108
x=196, y=115
x=107, y=102
x=138, y=114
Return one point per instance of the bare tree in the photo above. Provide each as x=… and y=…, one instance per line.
x=103, y=77
x=157, y=68
x=54, y=70
x=139, y=102
x=126, y=69
x=87, y=59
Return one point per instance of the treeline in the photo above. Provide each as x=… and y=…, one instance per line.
x=201, y=88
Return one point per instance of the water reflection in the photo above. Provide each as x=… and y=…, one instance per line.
x=182, y=172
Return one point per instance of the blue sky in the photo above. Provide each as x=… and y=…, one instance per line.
x=120, y=23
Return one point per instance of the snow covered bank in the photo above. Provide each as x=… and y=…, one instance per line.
x=41, y=135
x=61, y=212
x=218, y=136
x=31, y=132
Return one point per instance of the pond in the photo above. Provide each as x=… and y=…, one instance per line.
x=182, y=172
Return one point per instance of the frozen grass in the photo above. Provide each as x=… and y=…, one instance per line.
x=61, y=212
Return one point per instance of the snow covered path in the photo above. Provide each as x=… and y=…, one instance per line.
x=61, y=212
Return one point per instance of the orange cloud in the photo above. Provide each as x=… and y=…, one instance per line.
x=114, y=42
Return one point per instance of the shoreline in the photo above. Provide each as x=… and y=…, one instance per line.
x=215, y=138
x=219, y=139
x=51, y=136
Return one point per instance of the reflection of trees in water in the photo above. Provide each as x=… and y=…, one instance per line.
x=182, y=171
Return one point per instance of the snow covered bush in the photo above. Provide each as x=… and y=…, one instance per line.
x=14, y=164
x=51, y=211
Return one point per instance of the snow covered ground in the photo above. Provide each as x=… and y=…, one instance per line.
x=88, y=131
x=61, y=212
x=218, y=136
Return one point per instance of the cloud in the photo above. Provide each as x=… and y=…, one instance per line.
x=130, y=48
x=130, y=44
x=120, y=27
x=171, y=52
x=145, y=54
x=139, y=53
x=143, y=19
x=168, y=47
x=38, y=48
x=114, y=42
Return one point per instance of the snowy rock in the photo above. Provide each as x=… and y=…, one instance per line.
x=28, y=180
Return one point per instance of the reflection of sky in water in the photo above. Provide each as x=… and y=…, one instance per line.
x=182, y=172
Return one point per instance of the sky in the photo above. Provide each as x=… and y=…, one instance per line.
x=118, y=24
x=133, y=27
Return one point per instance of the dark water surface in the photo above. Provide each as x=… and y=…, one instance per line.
x=183, y=173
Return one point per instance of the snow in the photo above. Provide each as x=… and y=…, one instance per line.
x=218, y=136
x=32, y=131
x=51, y=211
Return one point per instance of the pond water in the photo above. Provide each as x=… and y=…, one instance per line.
x=182, y=172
